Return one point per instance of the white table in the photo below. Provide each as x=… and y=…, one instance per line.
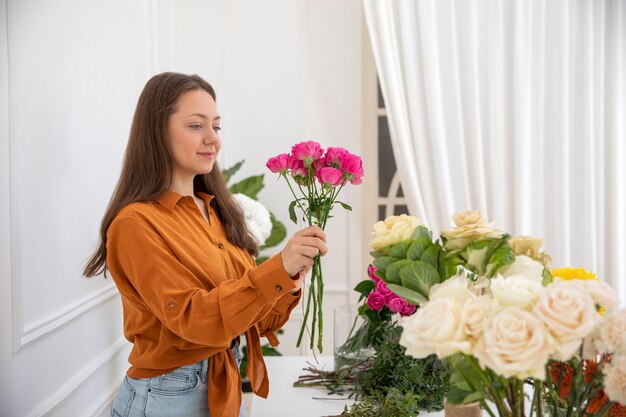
x=286, y=400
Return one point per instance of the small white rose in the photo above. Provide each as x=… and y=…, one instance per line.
x=601, y=292
x=613, y=332
x=474, y=313
x=523, y=265
x=516, y=291
x=514, y=344
x=435, y=329
x=455, y=288
x=569, y=315
x=394, y=229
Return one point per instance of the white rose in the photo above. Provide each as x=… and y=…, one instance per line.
x=523, y=265
x=613, y=332
x=474, y=313
x=514, y=344
x=394, y=229
x=569, y=315
x=471, y=225
x=455, y=288
x=436, y=328
x=256, y=216
x=516, y=291
x=615, y=379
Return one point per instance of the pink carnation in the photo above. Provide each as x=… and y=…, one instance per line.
x=371, y=271
x=307, y=151
x=396, y=304
x=375, y=301
x=330, y=176
x=381, y=287
x=298, y=171
x=278, y=163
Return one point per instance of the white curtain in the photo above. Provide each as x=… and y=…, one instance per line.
x=516, y=108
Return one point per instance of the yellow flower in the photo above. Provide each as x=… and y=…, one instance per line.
x=567, y=274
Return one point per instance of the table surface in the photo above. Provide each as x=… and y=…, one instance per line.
x=286, y=400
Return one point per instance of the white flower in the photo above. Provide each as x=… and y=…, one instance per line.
x=569, y=315
x=601, y=292
x=615, y=379
x=523, y=265
x=613, y=332
x=516, y=291
x=435, y=328
x=514, y=343
x=455, y=288
x=256, y=216
x=474, y=313
x=394, y=229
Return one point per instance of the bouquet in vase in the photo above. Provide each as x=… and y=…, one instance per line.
x=315, y=178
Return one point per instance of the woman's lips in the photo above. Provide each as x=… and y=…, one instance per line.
x=207, y=154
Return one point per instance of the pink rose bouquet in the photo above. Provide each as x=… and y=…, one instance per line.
x=318, y=176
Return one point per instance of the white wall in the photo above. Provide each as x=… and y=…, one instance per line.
x=70, y=75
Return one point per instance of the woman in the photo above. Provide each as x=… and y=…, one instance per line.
x=177, y=247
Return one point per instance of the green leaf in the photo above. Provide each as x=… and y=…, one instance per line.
x=547, y=277
x=344, y=205
x=499, y=257
x=399, y=249
x=459, y=396
x=411, y=296
x=392, y=274
x=229, y=172
x=292, y=211
x=365, y=287
x=431, y=255
x=448, y=267
x=279, y=232
x=377, y=254
x=382, y=262
x=419, y=276
x=418, y=246
x=249, y=186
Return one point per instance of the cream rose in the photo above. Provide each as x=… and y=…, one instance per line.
x=615, y=379
x=514, y=343
x=613, y=332
x=516, y=291
x=455, y=288
x=471, y=225
x=569, y=315
x=474, y=313
x=393, y=229
x=523, y=265
x=601, y=292
x=529, y=246
x=436, y=328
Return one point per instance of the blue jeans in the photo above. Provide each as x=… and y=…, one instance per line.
x=179, y=393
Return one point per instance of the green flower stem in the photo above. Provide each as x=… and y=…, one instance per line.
x=320, y=292
x=306, y=316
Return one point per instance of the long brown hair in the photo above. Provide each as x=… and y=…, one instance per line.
x=147, y=171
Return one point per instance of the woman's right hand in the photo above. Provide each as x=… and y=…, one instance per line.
x=299, y=253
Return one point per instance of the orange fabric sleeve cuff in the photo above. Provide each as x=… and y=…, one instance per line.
x=271, y=279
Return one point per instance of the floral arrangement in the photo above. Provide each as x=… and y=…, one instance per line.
x=487, y=305
x=318, y=176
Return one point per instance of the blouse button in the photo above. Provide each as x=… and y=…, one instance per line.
x=221, y=246
x=171, y=304
x=279, y=288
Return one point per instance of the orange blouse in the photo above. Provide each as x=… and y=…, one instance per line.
x=187, y=292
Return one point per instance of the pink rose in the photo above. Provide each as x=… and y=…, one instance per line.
x=409, y=309
x=330, y=176
x=307, y=151
x=334, y=156
x=396, y=304
x=375, y=301
x=278, y=163
x=298, y=171
x=371, y=271
x=381, y=287
x=352, y=165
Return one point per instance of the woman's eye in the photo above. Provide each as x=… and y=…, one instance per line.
x=217, y=129
x=196, y=126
